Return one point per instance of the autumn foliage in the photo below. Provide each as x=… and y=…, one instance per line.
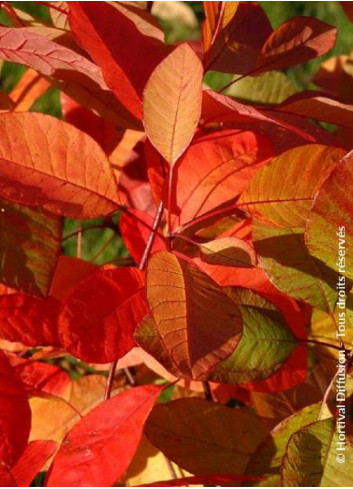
x=206, y=352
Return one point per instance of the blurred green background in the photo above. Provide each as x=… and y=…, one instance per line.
x=182, y=21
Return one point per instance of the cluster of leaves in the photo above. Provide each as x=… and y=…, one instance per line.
x=225, y=207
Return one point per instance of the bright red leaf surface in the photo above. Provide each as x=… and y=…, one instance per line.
x=109, y=435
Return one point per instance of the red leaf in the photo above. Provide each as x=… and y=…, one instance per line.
x=15, y=414
x=133, y=186
x=101, y=130
x=229, y=159
x=220, y=108
x=31, y=461
x=318, y=106
x=40, y=376
x=135, y=228
x=99, y=317
x=74, y=74
x=295, y=41
x=68, y=273
x=54, y=165
x=29, y=320
x=104, y=33
x=100, y=447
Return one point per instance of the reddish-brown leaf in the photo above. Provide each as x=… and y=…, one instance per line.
x=204, y=437
x=195, y=336
x=30, y=241
x=100, y=315
x=233, y=34
x=105, y=32
x=15, y=414
x=318, y=106
x=133, y=185
x=283, y=132
x=295, y=41
x=54, y=165
x=172, y=102
x=29, y=320
x=100, y=447
x=5, y=101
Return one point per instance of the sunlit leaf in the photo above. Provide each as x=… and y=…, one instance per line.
x=329, y=233
x=295, y=41
x=106, y=438
x=277, y=195
x=55, y=166
x=172, y=102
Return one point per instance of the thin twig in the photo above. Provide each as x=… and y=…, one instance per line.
x=79, y=241
x=151, y=238
x=322, y=343
x=53, y=7
x=108, y=389
x=207, y=390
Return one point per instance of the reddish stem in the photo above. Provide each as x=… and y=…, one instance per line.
x=142, y=265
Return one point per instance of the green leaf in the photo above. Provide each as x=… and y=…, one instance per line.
x=267, y=460
x=228, y=252
x=283, y=255
x=332, y=210
x=266, y=343
x=310, y=458
x=268, y=88
x=30, y=241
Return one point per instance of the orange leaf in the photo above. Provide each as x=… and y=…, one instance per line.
x=172, y=102
x=54, y=165
x=73, y=73
x=229, y=159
